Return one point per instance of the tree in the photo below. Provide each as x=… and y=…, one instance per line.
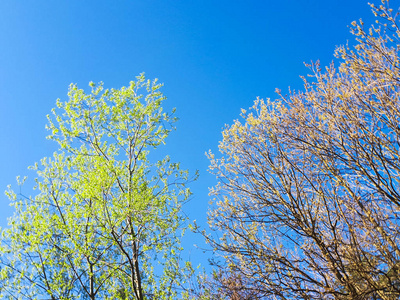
x=106, y=223
x=308, y=194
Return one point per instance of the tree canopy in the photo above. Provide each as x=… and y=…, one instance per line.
x=308, y=194
x=106, y=222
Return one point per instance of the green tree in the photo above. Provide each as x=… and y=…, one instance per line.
x=308, y=198
x=106, y=223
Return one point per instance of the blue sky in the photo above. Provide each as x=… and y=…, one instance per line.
x=214, y=58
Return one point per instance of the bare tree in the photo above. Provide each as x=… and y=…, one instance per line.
x=308, y=194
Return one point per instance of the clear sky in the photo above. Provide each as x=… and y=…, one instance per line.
x=214, y=58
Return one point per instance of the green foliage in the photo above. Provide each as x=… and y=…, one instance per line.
x=106, y=222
